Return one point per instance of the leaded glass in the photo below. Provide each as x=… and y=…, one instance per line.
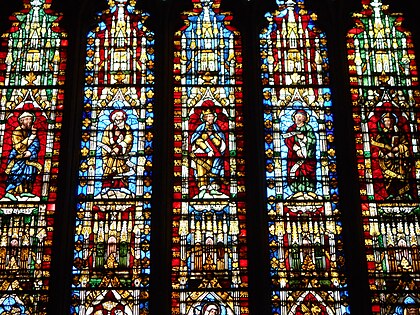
x=32, y=64
x=384, y=87
x=112, y=236
x=305, y=241
x=209, y=238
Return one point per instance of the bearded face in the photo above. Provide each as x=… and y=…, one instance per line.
x=26, y=122
x=388, y=123
x=118, y=119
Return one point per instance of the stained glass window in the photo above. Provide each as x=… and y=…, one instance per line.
x=305, y=241
x=209, y=260
x=112, y=236
x=385, y=94
x=32, y=64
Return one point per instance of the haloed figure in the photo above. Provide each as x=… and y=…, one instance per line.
x=116, y=145
x=208, y=149
x=410, y=307
x=22, y=165
x=301, y=161
x=393, y=156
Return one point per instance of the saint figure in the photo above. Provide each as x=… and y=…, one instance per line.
x=410, y=307
x=211, y=309
x=301, y=160
x=208, y=149
x=22, y=165
x=116, y=145
x=393, y=156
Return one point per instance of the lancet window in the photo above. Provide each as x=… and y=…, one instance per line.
x=111, y=267
x=305, y=239
x=209, y=236
x=385, y=96
x=32, y=69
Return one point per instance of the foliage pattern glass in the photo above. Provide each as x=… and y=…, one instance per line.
x=32, y=64
x=305, y=241
x=112, y=236
x=209, y=235
x=384, y=88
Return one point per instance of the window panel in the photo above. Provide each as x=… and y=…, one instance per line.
x=305, y=241
x=209, y=259
x=32, y=64
x=384, y=87
x=111, y=266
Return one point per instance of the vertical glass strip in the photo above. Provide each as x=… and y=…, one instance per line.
x=384, y=88
x=305, y=241
x=112, y=235
x=32, y=64
x=209, y=259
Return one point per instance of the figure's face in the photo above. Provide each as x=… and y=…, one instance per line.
x=388, y=122
x=118, y=118
x=412, y=311
x=300, y=118
x=209, y=118
x=212, y=311
x=26, y=122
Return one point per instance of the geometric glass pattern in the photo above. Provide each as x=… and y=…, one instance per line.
x=209, y=260
x=111, y=267
x=305, y=240
x=385, y=96
x=32, y=64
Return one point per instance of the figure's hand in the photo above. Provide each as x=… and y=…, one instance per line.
x=211, y=153
x=34, y=130
x=395, y=149
x=27, y=154
x=115, y=150
x=300, y=136
x=299, y=154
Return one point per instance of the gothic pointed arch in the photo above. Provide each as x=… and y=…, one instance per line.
x=303, y=206
x=385, y=96
x=209, y=259
x=32, y=67
x=111, y=267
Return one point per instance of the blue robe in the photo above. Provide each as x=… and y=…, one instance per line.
x=22, y=170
